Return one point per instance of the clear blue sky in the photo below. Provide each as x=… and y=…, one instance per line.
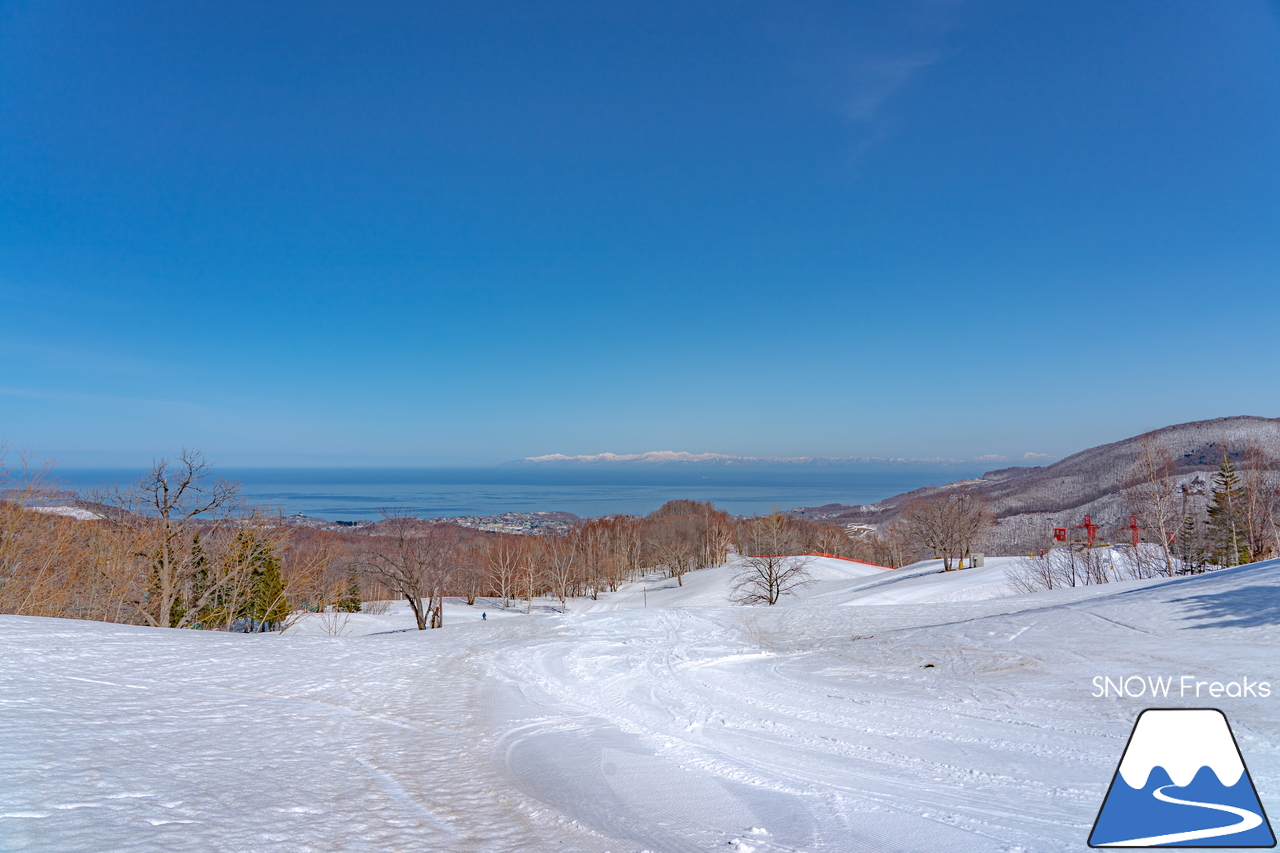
x=425, y=233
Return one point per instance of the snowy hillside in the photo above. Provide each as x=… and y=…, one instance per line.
x=949, y=716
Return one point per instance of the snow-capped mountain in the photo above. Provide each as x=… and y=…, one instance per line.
x=680, y=457
x=1181, y=741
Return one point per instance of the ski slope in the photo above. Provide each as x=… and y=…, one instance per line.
x=878, y=711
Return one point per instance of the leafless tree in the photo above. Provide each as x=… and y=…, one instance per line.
x=591, y=545
x=532, y=573
x=888, y=545
x=947, y=525
x=1069, y=566
x=504, y=557
x=176, y=505
x=333, y=621
x=560, y=565
x=834, y=540
x=1262, y=500
x=1147, y=560
x=415, y=561
x=770, y=569
x=675, y=544
x=1154, y=495
x=682, y=536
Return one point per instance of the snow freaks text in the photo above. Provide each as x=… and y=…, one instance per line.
x=1185, y=687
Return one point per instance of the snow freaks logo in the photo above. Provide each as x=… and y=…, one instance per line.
x=1186, y=687
x=1181, y=783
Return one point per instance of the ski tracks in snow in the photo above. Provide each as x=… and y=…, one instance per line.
x=818, y=751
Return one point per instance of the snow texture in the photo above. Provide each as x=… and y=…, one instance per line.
x=911, y=710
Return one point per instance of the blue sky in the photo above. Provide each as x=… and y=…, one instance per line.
x=430, y=233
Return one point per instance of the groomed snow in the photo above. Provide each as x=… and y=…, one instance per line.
x=948, y=716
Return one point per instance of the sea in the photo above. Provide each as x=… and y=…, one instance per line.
x=348, y=494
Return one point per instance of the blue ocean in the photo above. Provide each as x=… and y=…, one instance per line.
x=353, y=493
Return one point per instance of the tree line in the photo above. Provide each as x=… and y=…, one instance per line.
x=1184, y=525
x=180, y=549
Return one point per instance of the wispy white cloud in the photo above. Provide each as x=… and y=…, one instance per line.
x=877, y=79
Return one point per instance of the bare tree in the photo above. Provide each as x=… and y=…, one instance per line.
x=1261, y=497
x=833, y=539
x=164, y=513
x=682, y=536
x=1154, y=495
x=675, y=543
x=591, y=544
x=415, y=562
x=1069, y=566
x=947, y=525
x=770, y=569
x=560, y=563
x=470, y=576
x=889, y=545
x=531, y=572
x=504, y=557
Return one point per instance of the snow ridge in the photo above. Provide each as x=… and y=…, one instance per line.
x=660, y=457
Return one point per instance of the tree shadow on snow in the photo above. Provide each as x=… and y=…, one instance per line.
x=1247, y=607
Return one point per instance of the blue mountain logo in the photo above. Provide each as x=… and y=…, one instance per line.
x=1182, y=783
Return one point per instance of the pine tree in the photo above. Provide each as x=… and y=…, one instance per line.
x=202, y=582
x=265, y=606
x=1227, y=528
x=259, y=588
x=1191, y=550
x=269, y=607
x=351, y=599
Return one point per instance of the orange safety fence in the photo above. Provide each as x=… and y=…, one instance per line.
x=836, y=557
x=852, y=560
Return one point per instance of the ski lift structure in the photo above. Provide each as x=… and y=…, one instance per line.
x=1133, y=528
x=1090, y=529
x=1091, y=532
x=1060, y=534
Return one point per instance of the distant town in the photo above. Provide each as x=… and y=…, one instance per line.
x=520, y=523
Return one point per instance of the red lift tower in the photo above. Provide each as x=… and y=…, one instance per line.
x=1089, y=528
x=1133, y=526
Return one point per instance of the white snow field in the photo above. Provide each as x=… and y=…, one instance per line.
x=878, y=711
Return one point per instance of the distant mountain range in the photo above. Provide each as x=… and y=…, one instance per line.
x=680, y=457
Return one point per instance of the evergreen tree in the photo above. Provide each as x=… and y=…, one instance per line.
x=268, y=605
x=265, y=606
x=202, y=583
x=260, y=603
x=1191, y=548
x=351, y=599
x=1227, y=527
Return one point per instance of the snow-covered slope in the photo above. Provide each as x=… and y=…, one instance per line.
x=835, y=582
x=687, y=725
